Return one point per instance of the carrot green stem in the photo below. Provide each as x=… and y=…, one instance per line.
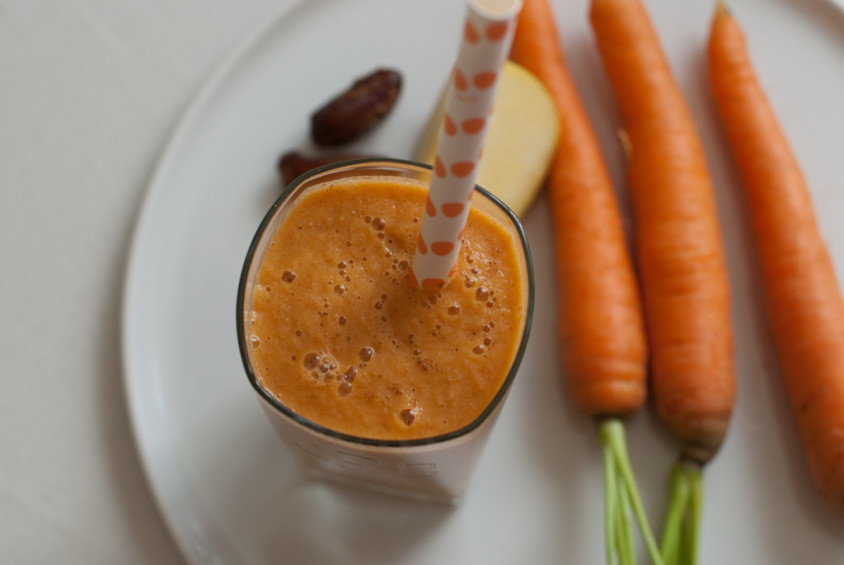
x=690, y=542
x=673, y=528
x=626, y=545
x=612, y=435
x=610, y=504
x=682, y=525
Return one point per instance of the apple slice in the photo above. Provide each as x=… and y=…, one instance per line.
x=520, y=143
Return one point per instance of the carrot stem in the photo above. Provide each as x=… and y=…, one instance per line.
x=673, y=529
x=626, y=545
x=690, y=541
x=612, y=435
x=682, y=526
x=610, y=504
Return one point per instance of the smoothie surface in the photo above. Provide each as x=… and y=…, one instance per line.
x=339, y=334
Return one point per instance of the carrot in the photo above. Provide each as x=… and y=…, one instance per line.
x=600, y=322
x=804, y=303
x=600, y=326
x=678, y=247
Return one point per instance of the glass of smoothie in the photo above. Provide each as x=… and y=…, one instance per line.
x=367, y=378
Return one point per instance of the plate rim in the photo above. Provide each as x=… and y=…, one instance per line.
x=190, y=113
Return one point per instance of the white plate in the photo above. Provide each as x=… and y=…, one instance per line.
x=226, y=487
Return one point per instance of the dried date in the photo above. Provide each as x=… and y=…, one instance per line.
x=293, y=164
x=357, y=110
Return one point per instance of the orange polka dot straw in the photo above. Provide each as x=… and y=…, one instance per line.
x=487, y=35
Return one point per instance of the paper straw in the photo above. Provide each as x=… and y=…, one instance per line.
x=487, y=36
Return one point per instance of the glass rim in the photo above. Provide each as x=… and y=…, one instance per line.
x=384, y=164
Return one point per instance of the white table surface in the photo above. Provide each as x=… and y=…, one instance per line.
x=89, y=92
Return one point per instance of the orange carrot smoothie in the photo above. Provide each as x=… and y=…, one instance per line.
x=337, y=332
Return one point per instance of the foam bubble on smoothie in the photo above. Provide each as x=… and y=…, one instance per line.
x=407, y=416
x=312, y=361
x=366, y=354
x=350, y=374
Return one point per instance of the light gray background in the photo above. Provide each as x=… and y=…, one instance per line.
x=89, y=92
